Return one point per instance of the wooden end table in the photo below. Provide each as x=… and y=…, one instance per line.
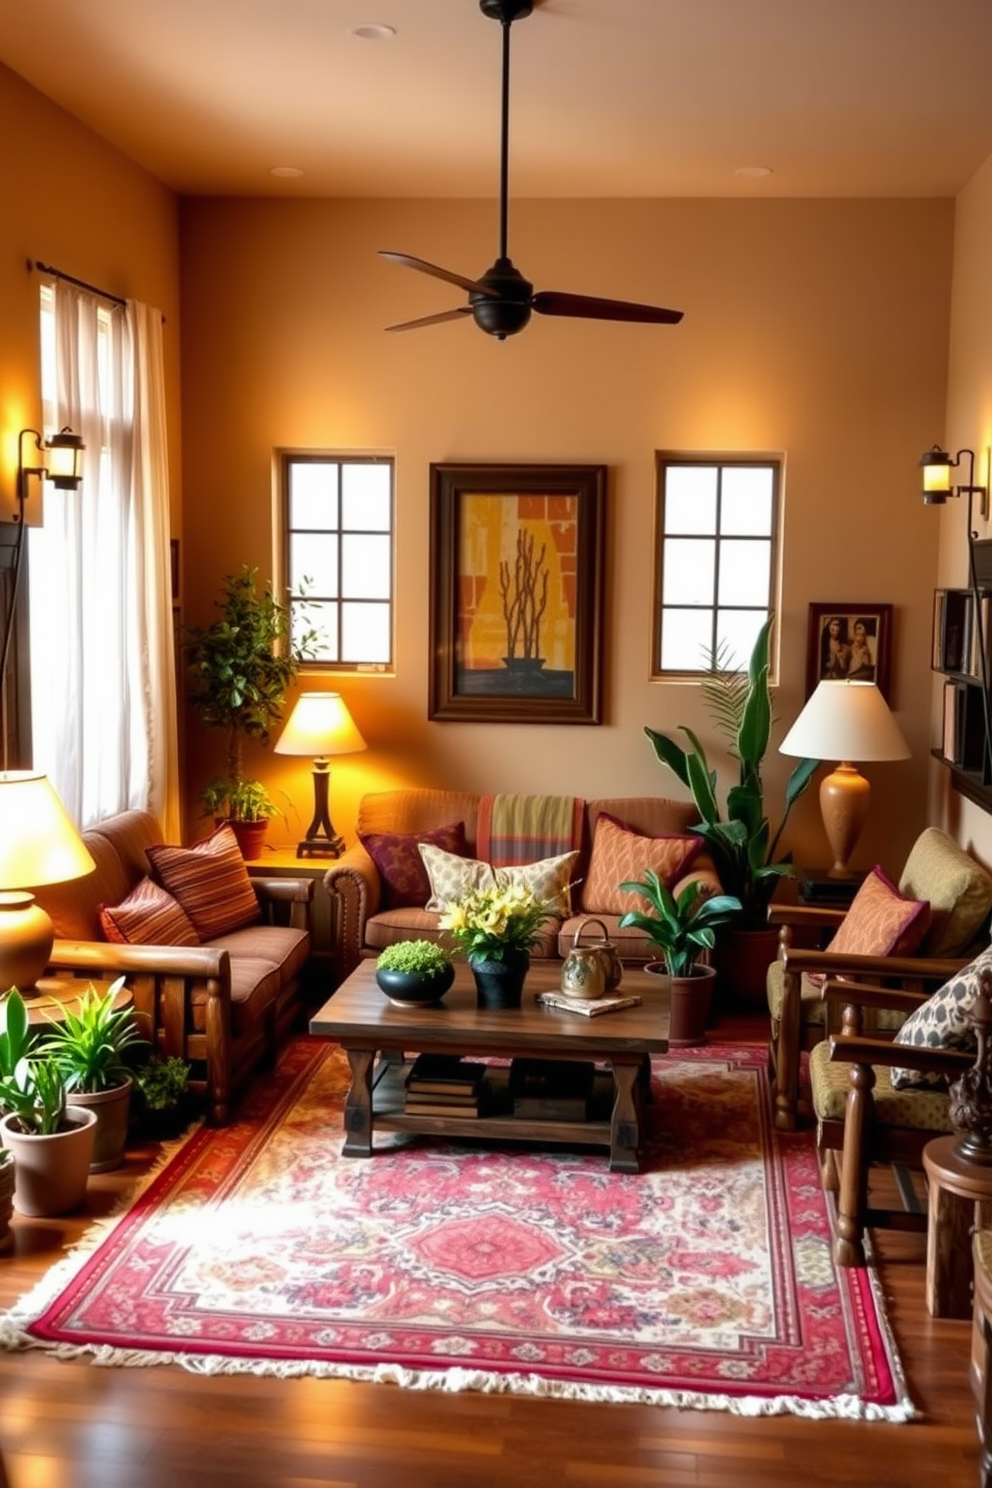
x=52, y=996
x=960, y=1201
x=366, y=1024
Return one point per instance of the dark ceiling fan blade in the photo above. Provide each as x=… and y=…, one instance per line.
x=588, y=307
x=426, y=320
x=407, y=261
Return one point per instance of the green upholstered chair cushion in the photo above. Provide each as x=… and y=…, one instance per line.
x=921, y=1110
x=958, y=889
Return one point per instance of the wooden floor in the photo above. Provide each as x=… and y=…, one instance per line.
x=75, y=1425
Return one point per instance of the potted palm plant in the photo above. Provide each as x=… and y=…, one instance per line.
x=682, y=928
x=89, y=1048
x=51, y=1141
x=240, y=668
x=744, y=849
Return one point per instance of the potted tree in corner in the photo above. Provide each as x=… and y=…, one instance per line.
x=89, y=1048
x=51, y=1141
x=240, y=668
x=682, y=928
x=744, y=849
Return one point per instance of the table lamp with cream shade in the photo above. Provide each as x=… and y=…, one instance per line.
x=320, y=725
x=38, y=846
x=846, y=721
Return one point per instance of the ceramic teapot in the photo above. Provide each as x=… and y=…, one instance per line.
x=591, y=970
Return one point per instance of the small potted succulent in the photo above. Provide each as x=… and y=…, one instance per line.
x=89, y=1048
x=51, y=1141
x=414, y=971
x=163, y=1089
x=682, y=928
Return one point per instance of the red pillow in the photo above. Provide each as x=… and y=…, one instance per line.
x=619, y=854
x=397, y=857
x=210, y=881
x=148, y=916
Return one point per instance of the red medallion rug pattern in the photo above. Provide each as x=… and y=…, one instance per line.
x=705, y=1281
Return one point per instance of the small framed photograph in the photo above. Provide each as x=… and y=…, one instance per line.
x=849, y=641
x=516, y=616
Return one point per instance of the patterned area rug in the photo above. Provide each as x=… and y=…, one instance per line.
x=706, y=1281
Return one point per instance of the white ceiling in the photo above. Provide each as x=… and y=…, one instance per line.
x=609, y=98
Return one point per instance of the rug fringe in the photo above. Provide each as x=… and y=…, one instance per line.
x=456, y=1381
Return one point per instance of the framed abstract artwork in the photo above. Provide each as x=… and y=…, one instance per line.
x=517, y=563
x=848, y=640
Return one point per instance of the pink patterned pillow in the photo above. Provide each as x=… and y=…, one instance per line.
x=880, y=922
x=210, y=881
x=148, y=916
x=620, y=855
x=397, y=857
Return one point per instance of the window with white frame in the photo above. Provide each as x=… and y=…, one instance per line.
x=717, y=532
x=338, y=534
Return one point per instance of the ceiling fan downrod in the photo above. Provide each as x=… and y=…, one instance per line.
x=506, y=12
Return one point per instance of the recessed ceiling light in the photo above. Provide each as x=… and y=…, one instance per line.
x=373, y=32
x=753, y=170
x=285, y=170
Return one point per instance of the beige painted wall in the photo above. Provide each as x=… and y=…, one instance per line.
x=815, y=328
x=72, y=200
x=968, y=425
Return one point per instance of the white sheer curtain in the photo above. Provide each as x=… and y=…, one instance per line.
x=102, y=659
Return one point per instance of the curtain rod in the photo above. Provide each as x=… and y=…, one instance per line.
x=71, y=279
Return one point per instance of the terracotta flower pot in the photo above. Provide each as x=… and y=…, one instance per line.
x=112, y=1108
x=50, y=1172
x=690, y=1003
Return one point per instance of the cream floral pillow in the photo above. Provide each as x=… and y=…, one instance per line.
x=452, y=877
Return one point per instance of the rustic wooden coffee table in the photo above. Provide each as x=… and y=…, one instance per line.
x=367, y=1024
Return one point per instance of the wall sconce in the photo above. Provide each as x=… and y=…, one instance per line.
x=62, y=464
x=937, y=465
x=320, y=725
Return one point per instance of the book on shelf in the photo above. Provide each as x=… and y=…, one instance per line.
x=443, y=1074
x=588, y=1007
x=442, y=1097
x=425, y=1106
x=551, y=1089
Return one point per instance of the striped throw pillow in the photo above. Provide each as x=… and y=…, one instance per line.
x=148, y=916
x=210, y=881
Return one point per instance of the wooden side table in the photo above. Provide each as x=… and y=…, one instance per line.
x=960, y=1201
x=52, y=996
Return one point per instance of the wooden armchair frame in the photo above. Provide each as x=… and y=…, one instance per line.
x=849, y=1147
x=789, y=1036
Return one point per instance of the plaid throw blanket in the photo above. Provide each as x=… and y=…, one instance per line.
x=524, y=829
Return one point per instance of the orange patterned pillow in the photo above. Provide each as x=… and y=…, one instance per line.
x=880, y=922
x=148, y=916
x=210, y=881
x=618, y=855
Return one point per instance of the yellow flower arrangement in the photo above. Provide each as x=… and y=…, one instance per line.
x=488, y=923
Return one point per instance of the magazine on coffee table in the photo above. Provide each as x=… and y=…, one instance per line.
x=588, y=1007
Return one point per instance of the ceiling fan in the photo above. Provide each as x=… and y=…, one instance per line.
x=501, y=301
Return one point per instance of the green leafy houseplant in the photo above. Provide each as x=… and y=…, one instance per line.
x=31, y=1088
x=682, y=928
x=422, y=957
x=744, y=851
x=240, y=668
x=89, y=1046
x=163, y=1083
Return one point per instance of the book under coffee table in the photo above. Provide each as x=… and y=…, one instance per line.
x=366, y=1024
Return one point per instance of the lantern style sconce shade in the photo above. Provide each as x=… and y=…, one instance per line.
x=845, y=721
x=320, y=725
x=38, y=845
x=62, y=464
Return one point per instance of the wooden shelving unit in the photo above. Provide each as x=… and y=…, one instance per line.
x=962, y=625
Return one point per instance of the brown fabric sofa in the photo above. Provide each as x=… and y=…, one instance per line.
x=365, y=925
x=224, y=1005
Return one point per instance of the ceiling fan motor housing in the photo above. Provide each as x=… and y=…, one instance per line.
x=507, y=11
x=506, y=308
